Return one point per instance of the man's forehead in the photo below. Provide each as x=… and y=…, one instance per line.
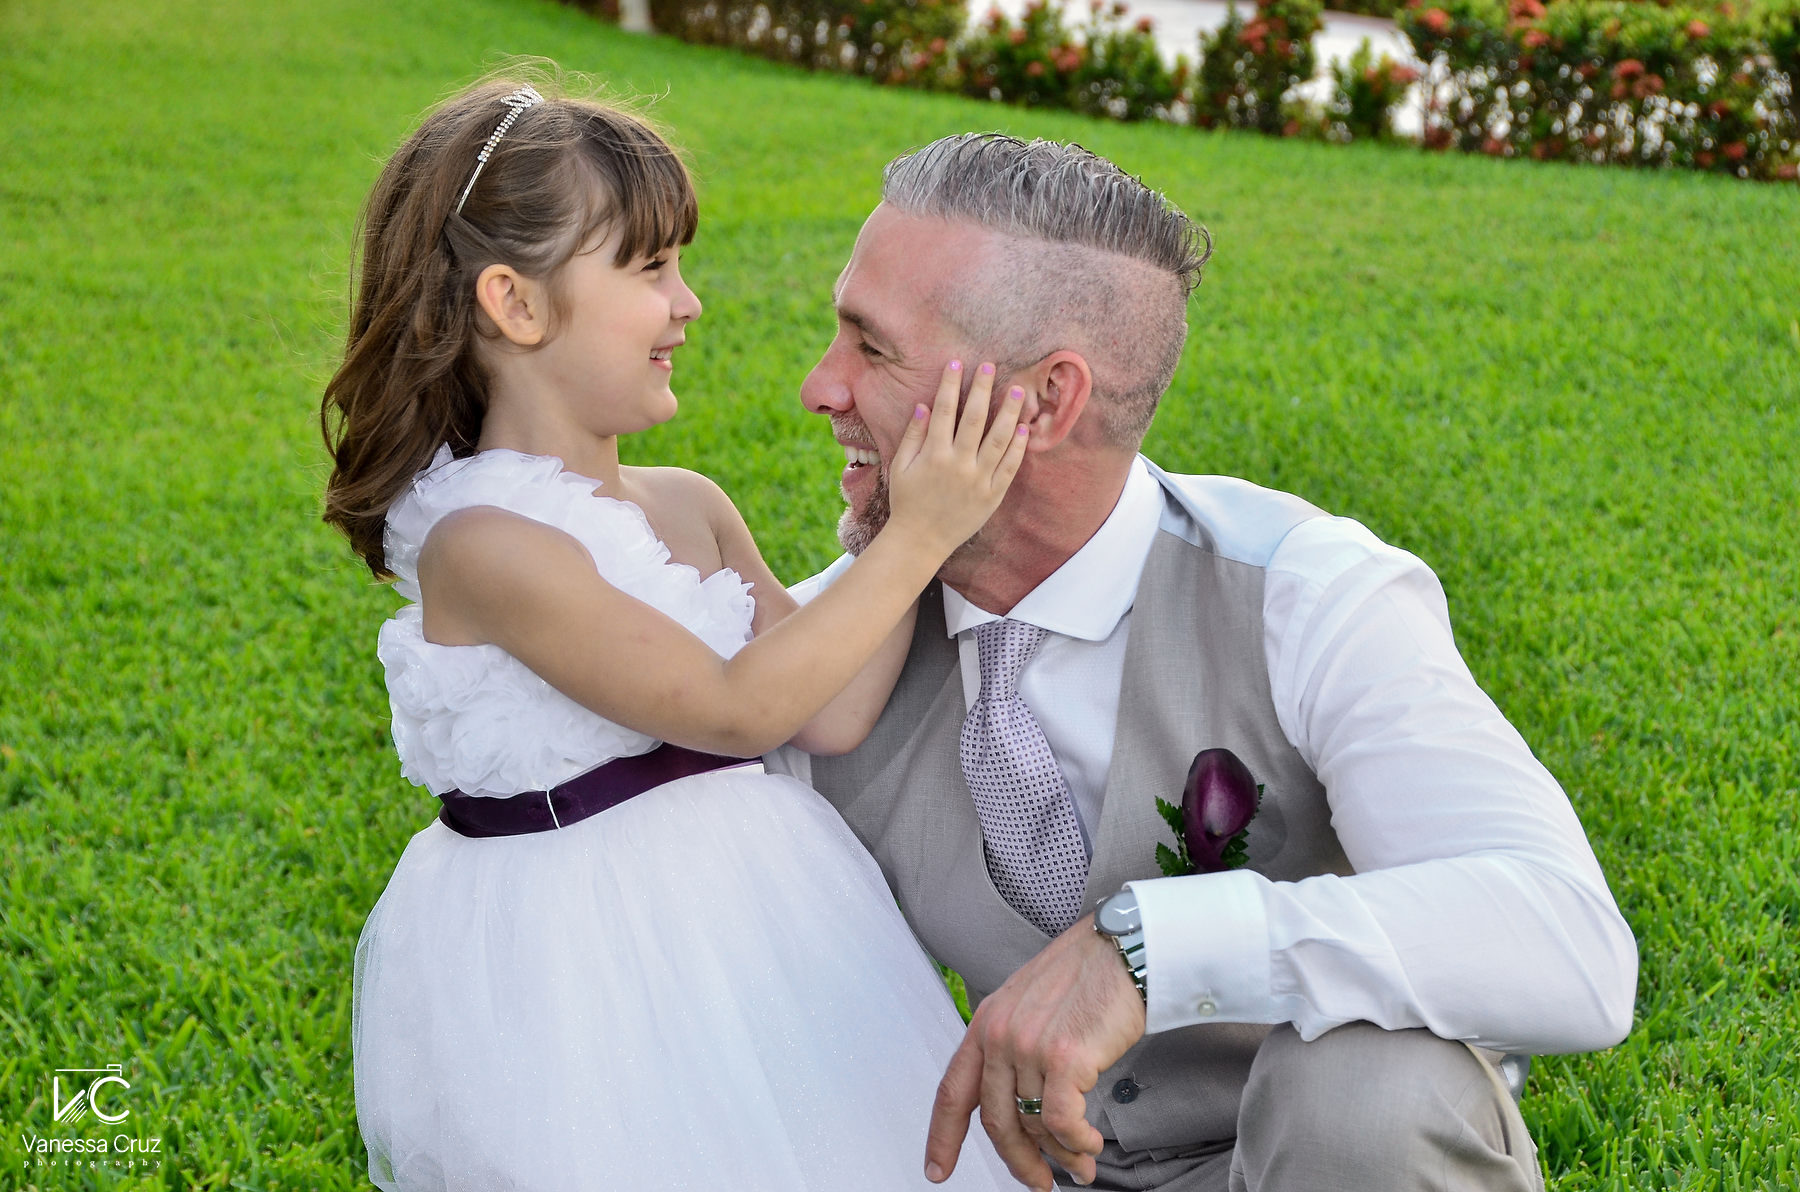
x=899, y=255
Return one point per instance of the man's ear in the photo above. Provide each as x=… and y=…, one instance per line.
x=514, y=303
x=1056, y=394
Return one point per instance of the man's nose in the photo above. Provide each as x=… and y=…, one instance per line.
x=825, y=391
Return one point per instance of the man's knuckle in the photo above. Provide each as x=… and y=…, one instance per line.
x=1061, y=1054
x=945, y=1100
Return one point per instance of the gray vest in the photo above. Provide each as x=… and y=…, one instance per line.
x=1195, y=677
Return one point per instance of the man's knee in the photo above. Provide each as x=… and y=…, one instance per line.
x=1362, y=1107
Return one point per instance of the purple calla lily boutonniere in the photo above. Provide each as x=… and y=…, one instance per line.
x=1212, y=824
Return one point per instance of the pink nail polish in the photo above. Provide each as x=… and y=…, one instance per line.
x=1017, y=394
x=987, y=370
x=919, y=412
x=956, y=366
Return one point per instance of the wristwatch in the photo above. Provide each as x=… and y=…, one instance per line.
x=1118, y=920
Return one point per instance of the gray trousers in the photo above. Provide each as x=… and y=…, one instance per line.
x=1358, y=1109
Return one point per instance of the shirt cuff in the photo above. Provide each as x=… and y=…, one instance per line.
x=1206, y=949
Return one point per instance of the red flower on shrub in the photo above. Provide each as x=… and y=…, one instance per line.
x=1017, y=37
x=1789, y=172
x=1436, y=20
x=1524, y=12
x=1118, y=8
x=1404, y=76
x=1704, y=159
x=1493, y=147
x=1291, y=129
x=1631, y=68
x=1647, y=86
x=1587, y=70
x=1736, y=151
x=1255, y=30
x=1535, y=39
x=1035, y=69
x=1145, y=25
x=1437, y=138
x=937, y=45
x=1069, y=57
x=1697, y=29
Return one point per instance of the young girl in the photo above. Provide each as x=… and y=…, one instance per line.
x=617, y=960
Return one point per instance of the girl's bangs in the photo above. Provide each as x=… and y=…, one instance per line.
x=646, y=197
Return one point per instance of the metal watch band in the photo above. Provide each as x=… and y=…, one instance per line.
x=1118, y=920
x=1131, y=951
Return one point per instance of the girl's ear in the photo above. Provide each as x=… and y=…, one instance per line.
x=514, y=303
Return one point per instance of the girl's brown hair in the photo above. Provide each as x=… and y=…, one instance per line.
x=567, y=171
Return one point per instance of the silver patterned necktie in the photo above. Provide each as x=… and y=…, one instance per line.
x=1034, y=850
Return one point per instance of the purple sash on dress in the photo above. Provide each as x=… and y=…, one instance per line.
x=604, y=786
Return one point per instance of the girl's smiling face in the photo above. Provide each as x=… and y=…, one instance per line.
x=611, y=353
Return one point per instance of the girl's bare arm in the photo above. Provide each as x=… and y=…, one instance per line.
x=532, y=590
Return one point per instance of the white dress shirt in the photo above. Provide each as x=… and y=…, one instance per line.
x=1477, y=909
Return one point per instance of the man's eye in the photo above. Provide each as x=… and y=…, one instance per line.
x=869, y=350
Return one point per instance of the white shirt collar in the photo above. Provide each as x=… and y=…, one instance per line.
x=1087, y=595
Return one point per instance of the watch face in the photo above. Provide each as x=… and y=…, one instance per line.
x=1118, y=915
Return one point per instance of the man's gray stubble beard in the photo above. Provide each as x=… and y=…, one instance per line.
x=857, y=531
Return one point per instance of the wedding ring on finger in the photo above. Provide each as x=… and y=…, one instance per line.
x=1030, y=1106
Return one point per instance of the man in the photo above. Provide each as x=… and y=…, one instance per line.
x=1419, y=896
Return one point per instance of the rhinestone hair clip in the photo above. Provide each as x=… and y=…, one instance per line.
x=518, y=101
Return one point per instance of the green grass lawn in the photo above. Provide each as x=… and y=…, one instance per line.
x=1575, y=392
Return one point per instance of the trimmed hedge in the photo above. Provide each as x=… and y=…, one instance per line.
x=1604, y=81
x=891, y=41
x=1105, y=68
x=1248, y=67
x=1614, y=82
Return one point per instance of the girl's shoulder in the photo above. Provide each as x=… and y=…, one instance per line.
x=678, y=486
x=690, y=512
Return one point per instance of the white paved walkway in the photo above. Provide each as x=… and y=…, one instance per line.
x=1178, y=24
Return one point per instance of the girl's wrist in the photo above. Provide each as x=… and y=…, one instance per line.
x=913, y=541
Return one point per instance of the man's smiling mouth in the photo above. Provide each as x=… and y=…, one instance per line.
x=860, y=457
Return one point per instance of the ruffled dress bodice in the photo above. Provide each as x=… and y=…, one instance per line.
x=476, y=719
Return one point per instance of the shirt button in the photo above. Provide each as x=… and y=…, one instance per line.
x=1207, y=1007
x=1126, y=1091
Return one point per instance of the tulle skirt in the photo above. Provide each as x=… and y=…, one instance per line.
x=707, y=987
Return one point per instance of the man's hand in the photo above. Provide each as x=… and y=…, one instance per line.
x=1049, y=1032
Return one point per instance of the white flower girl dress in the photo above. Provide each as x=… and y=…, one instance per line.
x=707, y=986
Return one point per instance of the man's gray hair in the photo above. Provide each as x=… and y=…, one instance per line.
x=1047, y=190
x=1094, y=261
